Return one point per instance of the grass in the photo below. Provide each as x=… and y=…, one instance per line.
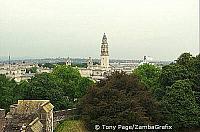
x=71, y=126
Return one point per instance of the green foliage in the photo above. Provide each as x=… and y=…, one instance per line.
x=72, y=80
x=62, y=87
x=177, y=87
x=48, y=65
x=180, y=108
x=171, y=73
x=149, y=75
x=196, y=77
x=83, y=65
x=32, y=70
x=6, y=92
x=185, y=59
x=47, y=86
x=187, y=67
x=180, y=84
x=121, y=99
x=66, y=72
x=71, y=126
x=20, y=90
x=61, y=63
x=182, y=69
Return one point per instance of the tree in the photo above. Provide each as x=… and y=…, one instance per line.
x=66, y=73
x=74, y=85
x=196, y=77
x=171, y=73
x=46, y=86
x=6, y=92
x=32, y=70
x=20, y=90
x=179, y=105
x=185, y=59
x=186, y=67
x=121, y=99
x=48, y=65
x=61, y=63
x=149, y=75
x=84, y=65
x=62, y=87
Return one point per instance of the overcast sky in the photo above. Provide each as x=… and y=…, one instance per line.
x=162, y=29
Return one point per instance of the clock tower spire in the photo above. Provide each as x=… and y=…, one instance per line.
x=104, y=52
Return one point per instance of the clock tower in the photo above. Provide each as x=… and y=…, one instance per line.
x=104, y=52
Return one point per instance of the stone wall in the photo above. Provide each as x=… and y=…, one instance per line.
x=61, y=115
x=2, y=119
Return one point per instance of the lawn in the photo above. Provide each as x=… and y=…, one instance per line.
x=71, y=126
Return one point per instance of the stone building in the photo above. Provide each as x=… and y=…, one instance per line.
x=98, y=72
x=30, y=116
x=17, y=71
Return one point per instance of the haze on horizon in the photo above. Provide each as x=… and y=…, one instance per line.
x=74, y=28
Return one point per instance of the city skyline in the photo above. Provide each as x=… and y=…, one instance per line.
x=50, y=29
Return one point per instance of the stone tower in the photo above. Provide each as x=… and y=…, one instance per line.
x=104, y=52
